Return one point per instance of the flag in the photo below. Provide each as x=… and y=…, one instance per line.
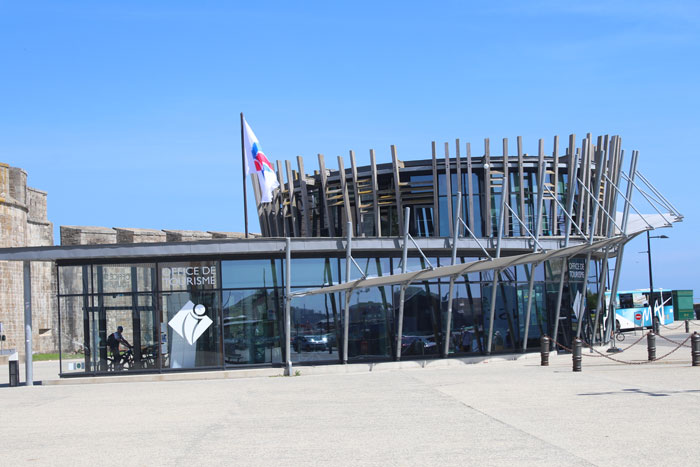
x=257, y=163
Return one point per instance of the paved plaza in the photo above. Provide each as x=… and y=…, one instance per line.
x=495, y=412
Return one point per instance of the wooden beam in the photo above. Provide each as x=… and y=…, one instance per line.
x=292, y=199
x=458, y=163
x=436, y=205
x=521, y=182
x=470, y=188
x=324, y=195
x=486, y=212
x=282, y=215
x=554, y=209
x=346, y=198
x=375, y=202
x=541, y=175
x=359, y=225
x=261, y=213
x=505, y=188
x=448, y=187
x=306, y=214
x=397, y=188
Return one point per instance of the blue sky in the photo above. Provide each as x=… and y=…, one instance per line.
x=127, y=112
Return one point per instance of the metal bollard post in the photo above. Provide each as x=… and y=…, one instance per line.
x=695, y=346
x=576, y=356
x=651, y=346
x=544, y=351
x=687, y=327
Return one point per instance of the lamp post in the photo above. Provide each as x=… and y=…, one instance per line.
x=654, y=323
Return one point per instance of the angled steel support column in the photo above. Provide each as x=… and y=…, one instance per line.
x=455, y=236
x=287, y=309
x=601, y=294
x=538, y=227
x=348, y=293
x=621, y=248
x=492, y=312
x=570, y=194
x=591, y=232
x=28, y=360
x=402, y=294
x=530, y=287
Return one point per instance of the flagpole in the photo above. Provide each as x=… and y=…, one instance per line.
x=245, y=192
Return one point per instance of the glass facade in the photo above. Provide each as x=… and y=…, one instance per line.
x=217, y=314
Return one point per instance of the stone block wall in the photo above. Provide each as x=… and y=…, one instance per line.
x=23, y=222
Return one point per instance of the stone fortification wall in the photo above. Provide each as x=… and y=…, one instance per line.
x=23, y=222
x=84, y=235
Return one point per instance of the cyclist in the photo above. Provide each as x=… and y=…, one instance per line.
x=113, y=342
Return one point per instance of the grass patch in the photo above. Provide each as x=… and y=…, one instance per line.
x=42, y=357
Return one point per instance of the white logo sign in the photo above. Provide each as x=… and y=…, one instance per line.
x=190, y=322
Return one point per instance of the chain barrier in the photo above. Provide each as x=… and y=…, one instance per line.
x=679, y=345
x=672, y=329
x=587, y=345
x=672, y=341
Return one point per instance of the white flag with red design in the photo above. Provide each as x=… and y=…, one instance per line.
x=257, y=163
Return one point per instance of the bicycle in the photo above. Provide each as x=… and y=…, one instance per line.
x=126, y=361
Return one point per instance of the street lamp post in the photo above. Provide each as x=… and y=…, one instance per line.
x=654, y=322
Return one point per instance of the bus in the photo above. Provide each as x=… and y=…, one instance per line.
x=633, y=310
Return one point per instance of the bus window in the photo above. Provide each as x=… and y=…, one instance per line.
x=626, y=300
x=640, y=300
x=666, y=295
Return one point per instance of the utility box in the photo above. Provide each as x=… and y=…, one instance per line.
x=683, y=305
x=13, y=364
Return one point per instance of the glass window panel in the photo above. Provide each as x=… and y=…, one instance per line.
x=73, y=280
x=123, y=278
x=416, y=264
x=190, y=321
x=189, y=275
x=75, y=348
x=505, y=324
x=135, y=313
x=253, y=323
x=316, y=272
x=371, y=320
x=252, y=273
x=316, y=329
x=371, y=267
x=421, y=326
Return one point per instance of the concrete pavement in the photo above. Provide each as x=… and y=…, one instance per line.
x=494, y=413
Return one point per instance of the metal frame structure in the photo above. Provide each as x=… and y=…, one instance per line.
x=568, y=211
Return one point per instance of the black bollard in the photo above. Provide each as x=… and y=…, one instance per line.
x=544, y=351
x=687, y=327
x=695, y=346
x=651, y=346
x=576, y=356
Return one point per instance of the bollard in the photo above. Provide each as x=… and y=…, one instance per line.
x=687, y=327
x=651, y=346
x=695, y=346
x=544, y=351
x=576, y=356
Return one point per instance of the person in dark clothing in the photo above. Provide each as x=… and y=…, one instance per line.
x=113, y=342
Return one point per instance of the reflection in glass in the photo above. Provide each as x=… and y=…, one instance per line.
x=252, y=273
x=421, y=330
x=252, y=326
x=369, y=334
x=133, y=278
x=505, y=323
x=315, y=328
x=76, y=351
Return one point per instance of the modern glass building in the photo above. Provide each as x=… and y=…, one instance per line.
x=544, y=232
